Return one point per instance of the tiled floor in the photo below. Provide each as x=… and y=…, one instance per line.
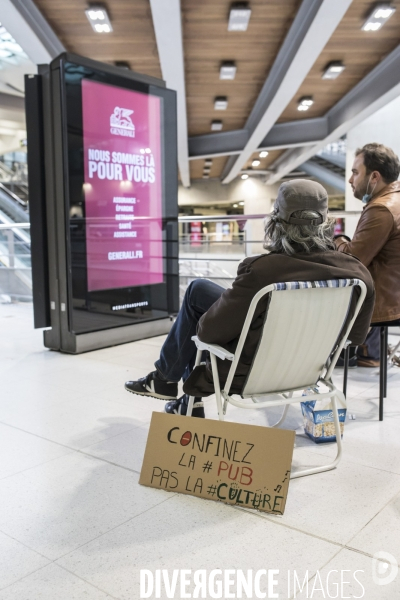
x=75, y=524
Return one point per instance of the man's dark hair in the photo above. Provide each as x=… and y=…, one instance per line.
x=378, y=157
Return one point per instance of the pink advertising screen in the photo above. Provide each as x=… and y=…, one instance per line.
x=122, y=186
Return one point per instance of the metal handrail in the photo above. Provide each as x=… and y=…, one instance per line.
x=194, y=262
x=15, y=225
x=337, y=214
x=16, y=198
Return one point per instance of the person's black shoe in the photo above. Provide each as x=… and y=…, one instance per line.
x=179, y=407
x=152, y=385
x=352, y=362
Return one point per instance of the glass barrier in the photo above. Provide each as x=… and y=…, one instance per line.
x=209, y=247
x=15, y=263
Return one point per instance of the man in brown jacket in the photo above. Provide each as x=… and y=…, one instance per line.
x=376, y=241
x=299, y=239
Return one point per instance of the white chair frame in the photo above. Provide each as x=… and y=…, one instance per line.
x=282, y=397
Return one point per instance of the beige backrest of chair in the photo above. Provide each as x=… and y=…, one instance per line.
x=299, y=334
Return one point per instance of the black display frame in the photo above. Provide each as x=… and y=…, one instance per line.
x=65, y=334
x=99, y=305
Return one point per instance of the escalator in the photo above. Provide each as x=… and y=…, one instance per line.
x=15, y=248
x=15, y=180
x=12, y=206
x=329, y=165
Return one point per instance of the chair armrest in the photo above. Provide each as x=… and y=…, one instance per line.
x=213, y=348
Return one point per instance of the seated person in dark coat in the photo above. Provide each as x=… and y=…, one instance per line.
x=299, y=239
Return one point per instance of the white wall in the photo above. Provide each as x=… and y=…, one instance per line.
x=259, y=202
x=382, y=127
x=12, y=129
x=252, y=191
x=257, y=198
x=10, y=141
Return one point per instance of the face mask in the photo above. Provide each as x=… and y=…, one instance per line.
x=367, y=197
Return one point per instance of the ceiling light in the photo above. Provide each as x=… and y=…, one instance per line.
x=206, y=176
x=378, y=17
x=95, y=15
x=227, y=70
x=216, y=125
x=372, y=26
x=383, y=12
x=333, y=70
x=208, y=161
x=99, y=19
x=239, y=16
x=263, y=154
x=122, y=64
x=221, y=103
x=305, y=103
x=10, y=46
x=255, y=163
x=102, y=28
x=206, y=169
x=244, y=176
x=241, y=203
x=235, y=205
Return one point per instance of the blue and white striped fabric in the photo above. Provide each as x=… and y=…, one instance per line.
x=300, y=285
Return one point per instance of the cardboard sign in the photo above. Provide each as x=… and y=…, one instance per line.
x=234, y=463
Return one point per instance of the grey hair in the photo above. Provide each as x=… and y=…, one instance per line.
x=287, y=238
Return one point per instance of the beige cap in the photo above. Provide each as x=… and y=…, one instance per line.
x=301, y=194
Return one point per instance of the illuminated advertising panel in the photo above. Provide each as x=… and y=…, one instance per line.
x=107, y=191
x=122, y=186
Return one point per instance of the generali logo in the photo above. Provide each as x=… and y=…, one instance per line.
x=121, y=122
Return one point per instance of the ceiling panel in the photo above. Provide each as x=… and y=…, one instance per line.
x=132, y=39
x=207, y=43
x=218, y=164
x=264, y=162
x=197, y=166
x=359, y=50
